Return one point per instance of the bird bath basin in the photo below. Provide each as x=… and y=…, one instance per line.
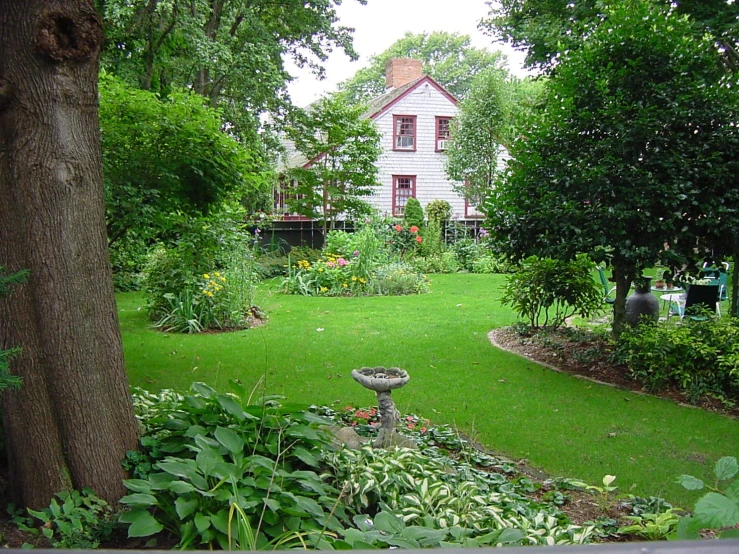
x=383, y=380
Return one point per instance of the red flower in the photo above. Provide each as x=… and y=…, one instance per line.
x=423, y=429
x=414, y=229
x=398, y=228
x=419, y=240
x=411, y=426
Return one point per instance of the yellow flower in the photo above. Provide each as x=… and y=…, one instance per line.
x=206, y=276
x=209, y=293
x=205, y=291
x=362, y=280
x=223, y=279
x=212, y=283
x=217, y=274
x=354, y=277
x=320, y=270
x=323, y=289
x=344, y=285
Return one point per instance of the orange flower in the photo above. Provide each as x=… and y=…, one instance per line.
x=398, y=228
x=414, y=229
x=419, y=240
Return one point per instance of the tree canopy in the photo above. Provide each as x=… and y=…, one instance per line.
x=479, y=135
x=547, y=29
x=162, y=156
x=230, y=51
x=341, y=149
x=449, y=58
x=624, y=148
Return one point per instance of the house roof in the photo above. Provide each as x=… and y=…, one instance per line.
x=375, y=108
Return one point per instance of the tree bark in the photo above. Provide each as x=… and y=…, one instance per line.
x=72, y=422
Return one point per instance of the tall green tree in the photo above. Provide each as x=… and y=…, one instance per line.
x=546, y=29
x=480, y=133
x=623, y=148
x=339, y=170
x=166, y=155
x=229, y=51
x=449, y=58
x=71, y=423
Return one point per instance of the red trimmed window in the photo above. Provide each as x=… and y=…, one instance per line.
x=404, y=132
x=470, y=210
x=283, y=194
x=404, y=187
x=443, y=132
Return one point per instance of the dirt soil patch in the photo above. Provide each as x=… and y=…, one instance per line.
x=586, y=355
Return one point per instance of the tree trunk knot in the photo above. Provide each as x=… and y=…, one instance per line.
x=64, y=36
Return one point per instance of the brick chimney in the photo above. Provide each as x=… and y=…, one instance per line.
x=399, y=71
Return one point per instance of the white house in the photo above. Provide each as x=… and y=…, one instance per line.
x=413, y=117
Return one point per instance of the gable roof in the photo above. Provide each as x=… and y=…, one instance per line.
x=375, y=108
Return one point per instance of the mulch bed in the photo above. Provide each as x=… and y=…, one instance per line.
x=587, y=356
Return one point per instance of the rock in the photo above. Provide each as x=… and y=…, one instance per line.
x=346, y=436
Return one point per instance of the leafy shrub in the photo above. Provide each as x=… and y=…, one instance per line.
x=546, y=292
x=718, y=509
x=432, y=244
x=467, y=251
x=413, y=214
x=444, y=262
x=205, y=280
x=217, y=472
x=339, y=243
x=439, y=211
x=271, y=264
x=490, y=262
x=699, y=357
x=329, y=276
x=404, y=241
x=398, y=278
x=74, y=519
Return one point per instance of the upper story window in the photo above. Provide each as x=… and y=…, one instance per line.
x=404, y=132
x=443, y=132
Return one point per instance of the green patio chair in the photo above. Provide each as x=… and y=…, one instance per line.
x=607, y=288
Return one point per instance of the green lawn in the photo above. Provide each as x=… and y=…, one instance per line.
x=562, y=425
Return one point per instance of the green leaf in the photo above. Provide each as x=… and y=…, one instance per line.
x=185, y=506
x=302, y=432
x=309, y=505
x=691, y=483
x=716, y=510
x=137, y=485
x=510, y=536
x=732, y=491
x=231, y=406
x=195, y=430
x=142, y=523
x=272, y=504
x=220, y=520
x=306, y=456
x=203, y=390
x=687, y=529
x=202, y=522
x=228, y=438
x=139, y=499
x=180, y=487
x=390, y=523
x=726, y=468
x=207, y=460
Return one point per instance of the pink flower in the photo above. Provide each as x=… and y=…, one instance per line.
x=419, y=240
x=342, y=262
x=411, y=426
x=423, y=429
x=409, y=418
x=347, y=408
x=398, y=228
x=414, y=229
x=355, y=253
x=354, y=423
x=330, y=264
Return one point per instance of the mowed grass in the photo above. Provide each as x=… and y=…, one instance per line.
x=560, y=424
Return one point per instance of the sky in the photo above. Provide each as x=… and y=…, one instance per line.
x=381, y=22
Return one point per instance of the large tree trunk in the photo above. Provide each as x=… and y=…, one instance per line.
x=72, y=422
x=623, y=278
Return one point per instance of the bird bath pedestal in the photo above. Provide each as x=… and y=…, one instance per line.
x=382, y=381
